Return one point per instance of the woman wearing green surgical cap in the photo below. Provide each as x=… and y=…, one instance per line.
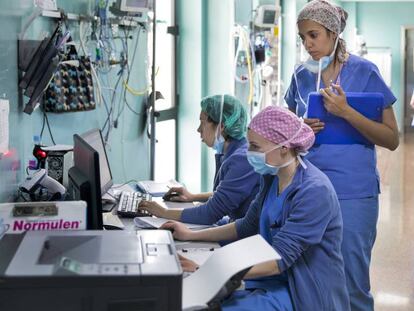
x=223, y=126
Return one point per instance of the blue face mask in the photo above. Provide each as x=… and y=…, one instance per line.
x=219, y=140
x=317, y=67
x=219, y=144
x=258, y=161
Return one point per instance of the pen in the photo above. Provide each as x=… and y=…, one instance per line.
x=186, y=250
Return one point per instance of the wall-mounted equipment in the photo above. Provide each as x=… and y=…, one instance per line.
x=267, y=16
x=137, y=8
x=39, y=62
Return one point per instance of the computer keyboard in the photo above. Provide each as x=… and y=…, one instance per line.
x=128, y=204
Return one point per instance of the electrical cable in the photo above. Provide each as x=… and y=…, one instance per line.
x=49, y=129
x=129, y=67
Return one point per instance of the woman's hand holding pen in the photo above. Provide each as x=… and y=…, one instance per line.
x=187, y=264
x=335, y=103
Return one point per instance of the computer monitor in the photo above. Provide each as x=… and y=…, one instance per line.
x=94, y=139
x=84, y=181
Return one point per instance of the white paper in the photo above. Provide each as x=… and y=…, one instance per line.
x=200, y=287
x=112, y=220
x=4, y=125
x=157, y=188
x=157, y=222
x=172, y=205
x=198, y=252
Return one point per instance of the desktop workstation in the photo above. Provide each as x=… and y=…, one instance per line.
x=94, y=269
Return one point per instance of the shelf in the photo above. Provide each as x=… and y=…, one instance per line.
x=122, y=21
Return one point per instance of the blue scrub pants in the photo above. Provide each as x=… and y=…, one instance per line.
x=360, y=229
x=276, y=299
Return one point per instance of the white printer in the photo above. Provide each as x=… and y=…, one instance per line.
x=91, y=270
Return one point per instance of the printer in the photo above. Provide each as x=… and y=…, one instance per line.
x=90, y=271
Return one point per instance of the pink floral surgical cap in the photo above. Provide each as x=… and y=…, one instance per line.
x=279, y=125
x=325, y=13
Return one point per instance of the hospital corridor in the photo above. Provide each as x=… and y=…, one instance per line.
x=392, y=267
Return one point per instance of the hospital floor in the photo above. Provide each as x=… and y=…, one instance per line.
x=392, y=269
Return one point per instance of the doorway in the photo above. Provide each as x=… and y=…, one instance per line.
x=408, y=72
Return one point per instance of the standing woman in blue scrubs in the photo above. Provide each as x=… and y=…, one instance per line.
x=223, y=126
x=297, y=212
x=351, y=168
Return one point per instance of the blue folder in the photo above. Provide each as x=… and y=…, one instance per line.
x=337, y=130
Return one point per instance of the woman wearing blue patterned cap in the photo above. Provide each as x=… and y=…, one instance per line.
x=351, y=168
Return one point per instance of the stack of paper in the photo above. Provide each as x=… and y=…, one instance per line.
x=156, y=222
x=157, y=189
x=204, y=284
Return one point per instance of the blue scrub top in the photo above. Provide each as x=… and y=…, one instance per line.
x=308, y=237
x=351, y=168
x=269, y=224
x=235, y=186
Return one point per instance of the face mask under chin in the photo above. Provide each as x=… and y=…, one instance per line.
x=317, y=66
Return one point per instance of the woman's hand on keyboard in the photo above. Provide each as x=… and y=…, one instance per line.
x=153, y=208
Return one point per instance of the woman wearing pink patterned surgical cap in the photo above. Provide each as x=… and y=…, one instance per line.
x=351, y=167
x=297, y=212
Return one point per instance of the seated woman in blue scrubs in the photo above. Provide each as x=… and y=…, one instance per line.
x=297, y=212
x=223, y=126
x=351, y=168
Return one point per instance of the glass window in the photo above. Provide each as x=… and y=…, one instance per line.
x=164, y=55
x=165, y=152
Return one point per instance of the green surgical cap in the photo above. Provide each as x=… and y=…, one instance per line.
x=234, y=116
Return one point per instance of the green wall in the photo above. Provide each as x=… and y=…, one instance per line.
x=204, y=68
x=189, y=88
x=128, y=145
x=380, y=23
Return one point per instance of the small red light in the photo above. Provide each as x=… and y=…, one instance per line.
x=41, y=154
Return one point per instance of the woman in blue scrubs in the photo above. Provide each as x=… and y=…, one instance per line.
x=297, y=212
x=351, y=168
x=223, y=126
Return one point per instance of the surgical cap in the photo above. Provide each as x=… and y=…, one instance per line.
x=325, y=13
x=234, y=116
x=279, y=125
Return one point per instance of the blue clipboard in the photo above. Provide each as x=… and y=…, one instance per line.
x=337, y=130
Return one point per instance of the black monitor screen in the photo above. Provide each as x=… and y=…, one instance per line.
x=84, y=179
x=269, y=17
x=94, y=138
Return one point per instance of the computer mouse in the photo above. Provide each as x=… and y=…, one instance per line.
x=168, y=196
